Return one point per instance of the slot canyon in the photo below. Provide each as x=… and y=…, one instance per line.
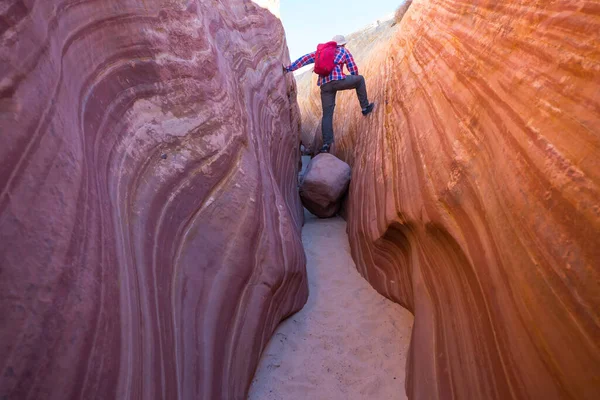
x=153, y=243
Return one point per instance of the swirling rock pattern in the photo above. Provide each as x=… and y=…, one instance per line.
x=475, y=193
x=149, y=216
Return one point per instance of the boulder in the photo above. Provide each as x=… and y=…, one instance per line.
x=324, y=184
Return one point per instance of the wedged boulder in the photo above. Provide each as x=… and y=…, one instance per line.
x=323, y=185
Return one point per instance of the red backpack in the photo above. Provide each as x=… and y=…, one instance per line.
x=325, y=58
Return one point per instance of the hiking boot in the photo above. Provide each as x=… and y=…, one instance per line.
x=325, y=148
x=369, y=108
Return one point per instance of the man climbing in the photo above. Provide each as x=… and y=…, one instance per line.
x=329, y=60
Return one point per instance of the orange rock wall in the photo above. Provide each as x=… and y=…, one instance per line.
x=475, y=196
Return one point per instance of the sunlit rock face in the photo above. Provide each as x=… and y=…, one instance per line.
x=475, y=195
x=149, y=215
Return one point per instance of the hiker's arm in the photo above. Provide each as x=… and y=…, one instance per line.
x=350, y=64
x=302, y=61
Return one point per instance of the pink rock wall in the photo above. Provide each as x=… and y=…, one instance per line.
x=149, y=216
x=475, y=195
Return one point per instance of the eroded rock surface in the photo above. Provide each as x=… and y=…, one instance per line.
x=475, y=193
x=149, y=216
x=324, y=184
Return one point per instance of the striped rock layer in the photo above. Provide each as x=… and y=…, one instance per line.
x=149, y=216
x=475, y=195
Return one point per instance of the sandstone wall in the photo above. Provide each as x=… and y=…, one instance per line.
x=149, y=216
x=475, y=196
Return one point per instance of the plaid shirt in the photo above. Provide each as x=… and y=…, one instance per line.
x=342, y=56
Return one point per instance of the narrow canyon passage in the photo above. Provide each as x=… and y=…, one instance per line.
x=348, y=342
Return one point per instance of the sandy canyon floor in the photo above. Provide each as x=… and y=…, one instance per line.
x=348, y=342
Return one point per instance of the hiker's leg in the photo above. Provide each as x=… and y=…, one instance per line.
x=328, y=103
x=355, y=82
x=361, y=92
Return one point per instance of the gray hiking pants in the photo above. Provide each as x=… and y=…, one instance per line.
x=328, y=92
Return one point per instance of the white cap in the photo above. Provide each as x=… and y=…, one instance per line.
x=339, y=39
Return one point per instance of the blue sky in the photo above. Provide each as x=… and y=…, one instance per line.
x=310, y=22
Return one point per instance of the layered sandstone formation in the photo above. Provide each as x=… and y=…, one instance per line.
x=149, y=216
x=475, y=195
